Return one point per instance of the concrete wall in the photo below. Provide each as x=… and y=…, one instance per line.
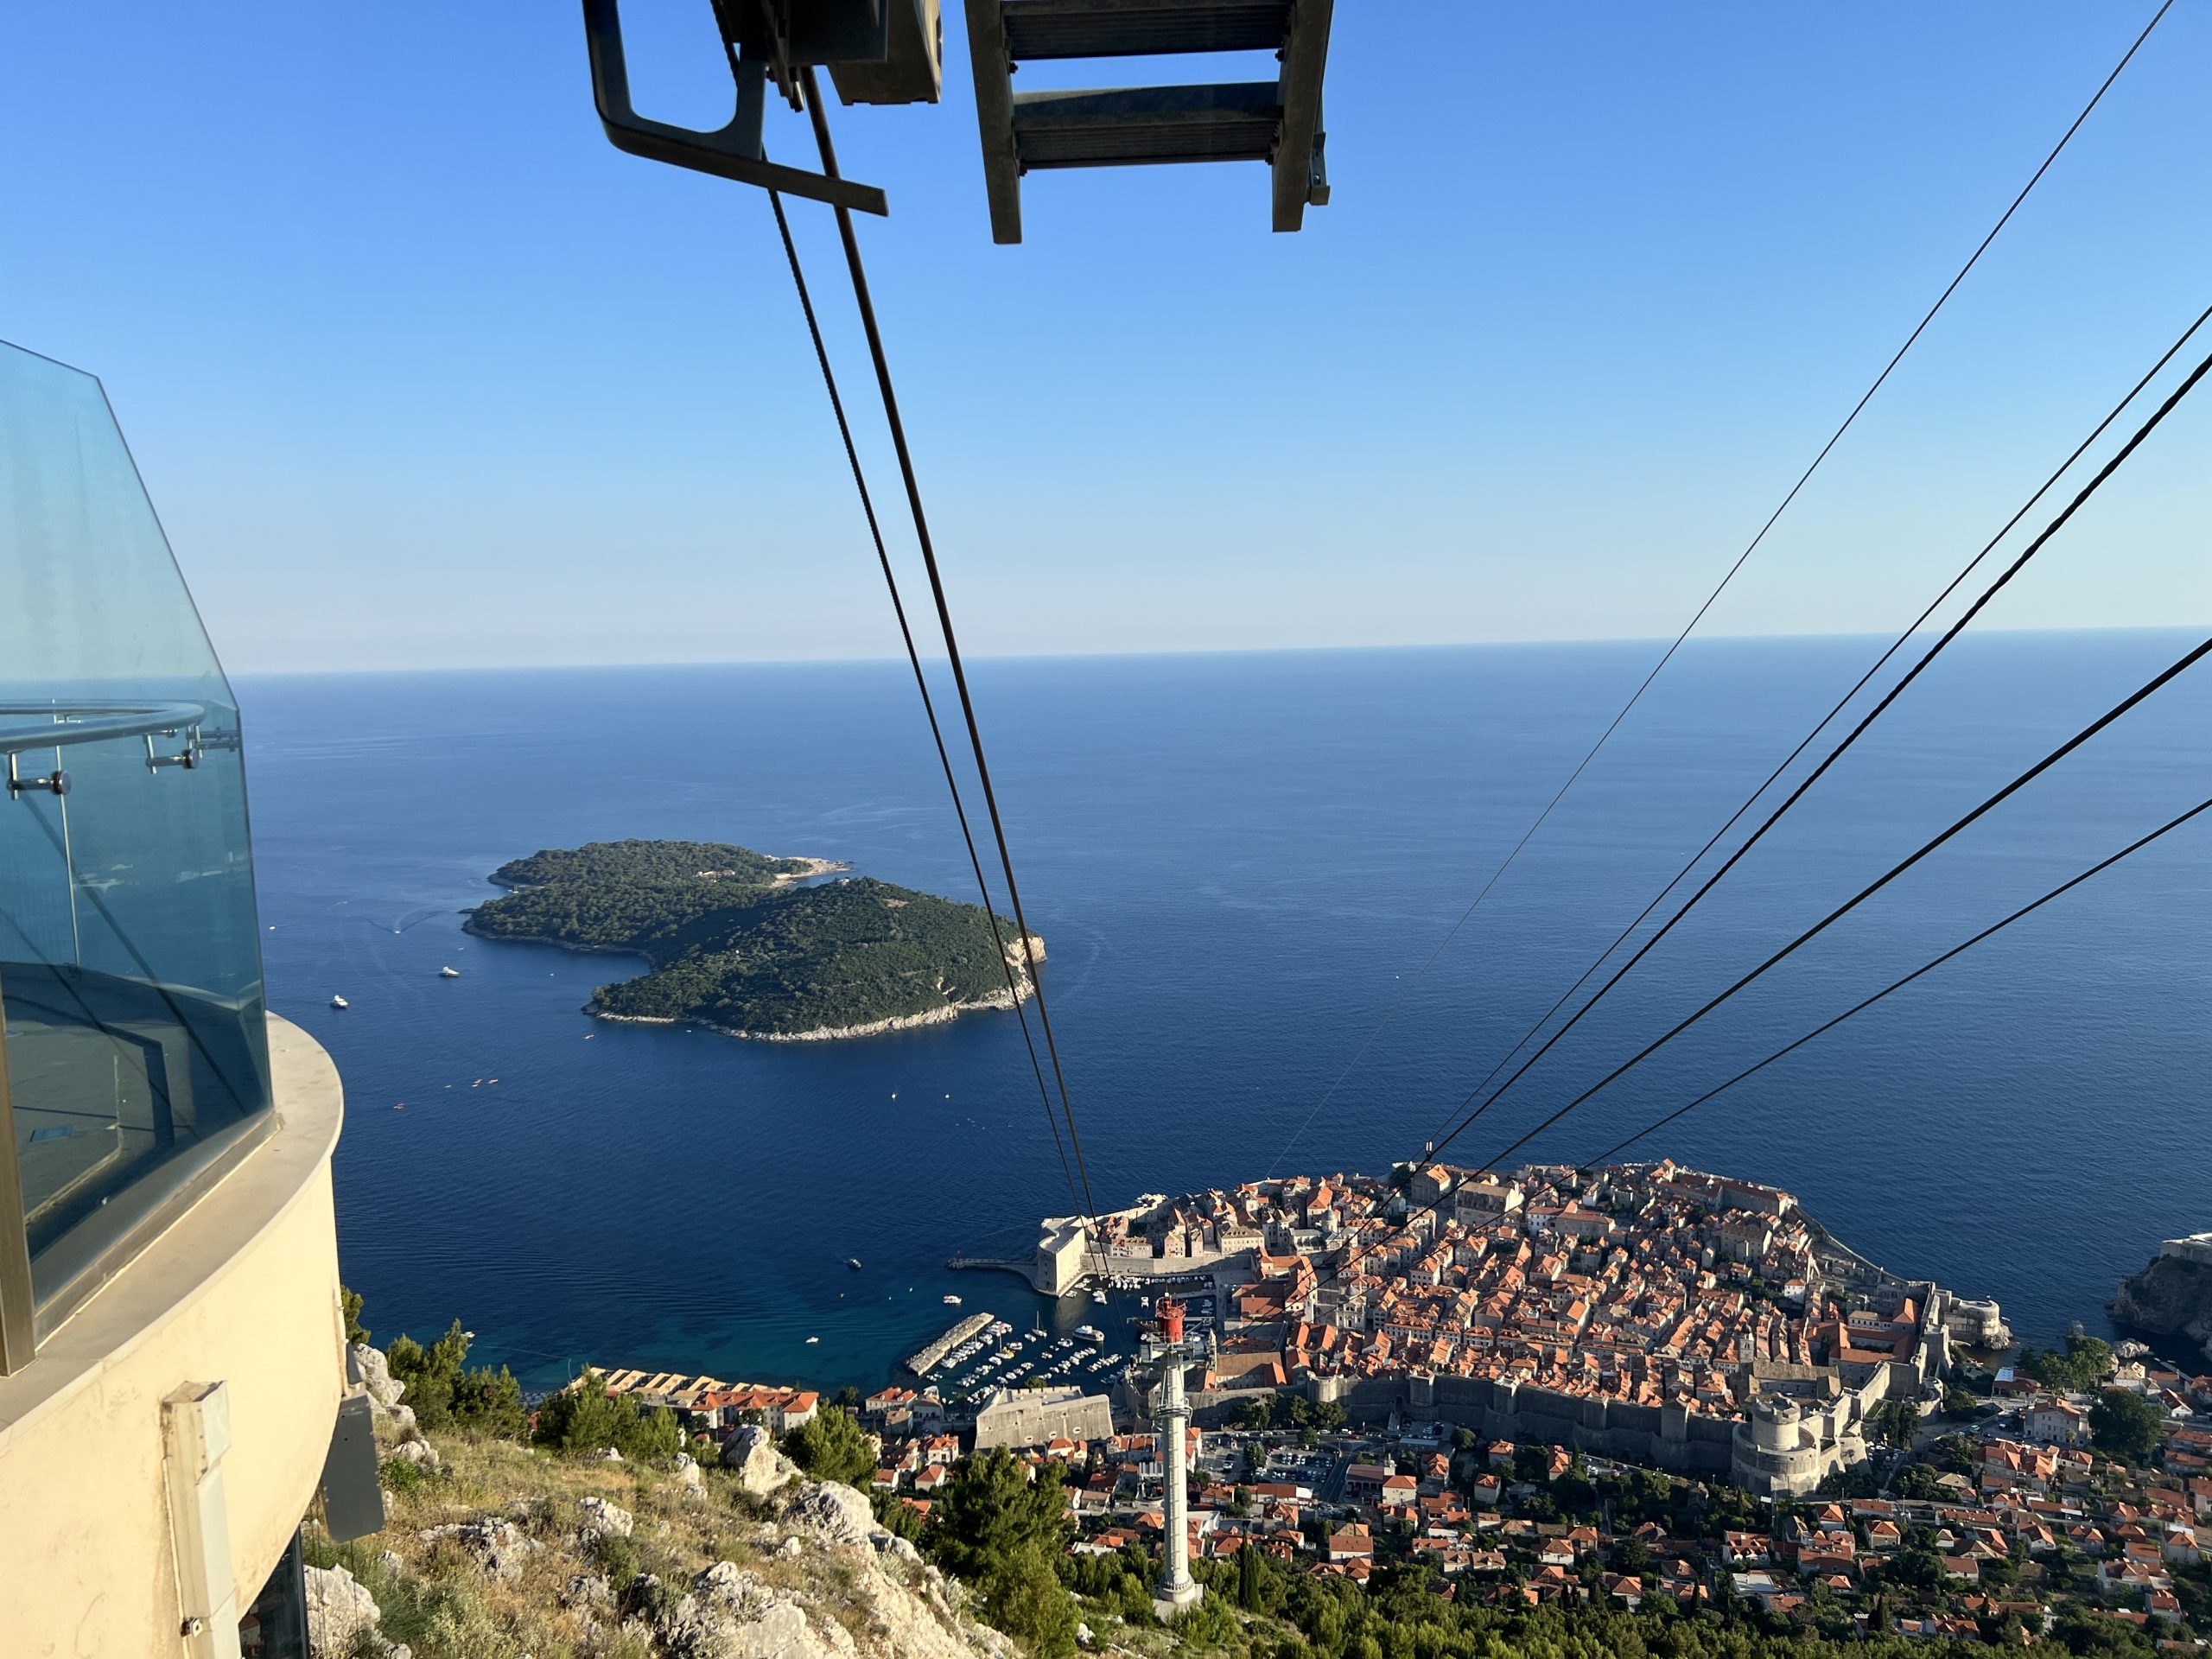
x=1034, y=1417
x=243, y=1289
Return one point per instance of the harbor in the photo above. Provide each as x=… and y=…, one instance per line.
x=996, y=1357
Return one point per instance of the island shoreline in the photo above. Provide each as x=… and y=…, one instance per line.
x=1030, y=947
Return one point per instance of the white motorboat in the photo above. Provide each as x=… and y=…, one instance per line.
x=339, y=1003
x=448, y=973
x=953, y=1301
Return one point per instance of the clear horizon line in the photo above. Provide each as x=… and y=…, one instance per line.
x=889, y=658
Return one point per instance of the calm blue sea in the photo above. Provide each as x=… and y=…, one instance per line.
x=1236, y=861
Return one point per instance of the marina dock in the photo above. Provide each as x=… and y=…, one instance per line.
x=925, y=1362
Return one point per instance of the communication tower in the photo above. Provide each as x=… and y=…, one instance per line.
x=1164, y=1354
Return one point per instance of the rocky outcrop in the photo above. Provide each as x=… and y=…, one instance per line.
x=732, y=1614
x=394, y=1421
x=750, y=1453
x=498, y=1548
x=748, y=1561
x=384, y=1389
x=603, y=1520
x=832, y=1512
x=2171, y=1297
x=342, y=1616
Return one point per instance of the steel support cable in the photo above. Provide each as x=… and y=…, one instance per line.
x=2149, y=687
x=1895, y=985
x=2118, y=711
x=1804, y=478
x=867, y=307
x=921, y=681
x=2095, y=483
x=1842, y=703
x=929, y=704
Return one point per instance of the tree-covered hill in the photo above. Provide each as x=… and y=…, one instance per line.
x=651, y=861
x=732, y=947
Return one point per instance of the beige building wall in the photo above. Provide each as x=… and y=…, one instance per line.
x=243, y=1290
x=1062, y=1261
x=1023, y=1417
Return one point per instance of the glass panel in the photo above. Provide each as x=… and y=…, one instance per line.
x=129, y=950
x=275, y=1626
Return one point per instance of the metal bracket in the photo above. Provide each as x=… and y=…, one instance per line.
x=1300, y=179
x=187, y=758
x=53, y=783
x=734, y=152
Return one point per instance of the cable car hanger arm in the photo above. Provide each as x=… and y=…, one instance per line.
x=733, y=152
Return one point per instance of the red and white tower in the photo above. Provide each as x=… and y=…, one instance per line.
x=1167, y=1352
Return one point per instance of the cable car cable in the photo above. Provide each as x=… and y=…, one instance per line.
x=867, y=306
x=1842, y=702
x=1805, y=477
x=2095, y=483
x=1929, y=967
x=2107, y=718
x=921, y=681
x=2149, y=689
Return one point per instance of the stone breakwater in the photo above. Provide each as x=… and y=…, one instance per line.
x=922, y=1363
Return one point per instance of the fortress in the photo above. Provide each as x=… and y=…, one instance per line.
x=2196, y=1249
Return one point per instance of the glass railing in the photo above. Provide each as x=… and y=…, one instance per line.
x=135, y=1049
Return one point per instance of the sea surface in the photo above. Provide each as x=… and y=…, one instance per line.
x=1239, y=864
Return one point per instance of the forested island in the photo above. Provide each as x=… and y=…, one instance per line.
x=735, y=942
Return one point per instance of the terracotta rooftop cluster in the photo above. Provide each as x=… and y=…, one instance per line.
x=1647, y=1283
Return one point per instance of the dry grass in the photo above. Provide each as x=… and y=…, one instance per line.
x=436, y=1597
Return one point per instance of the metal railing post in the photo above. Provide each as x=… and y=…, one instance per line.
x=18, y=1340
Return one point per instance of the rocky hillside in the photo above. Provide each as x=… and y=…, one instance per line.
x=2171, y=1297
x=493, y=1550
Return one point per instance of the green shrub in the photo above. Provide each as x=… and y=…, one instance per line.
x=830, y=1446
x=584, y=1417
x=446, y=1393
x=402, y=1475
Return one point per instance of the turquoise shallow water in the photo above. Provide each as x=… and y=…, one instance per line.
x=1233, y=861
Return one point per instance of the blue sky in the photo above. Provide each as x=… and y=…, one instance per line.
x=421, y=371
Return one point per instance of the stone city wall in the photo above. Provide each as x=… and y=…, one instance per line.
x=1667, y=1437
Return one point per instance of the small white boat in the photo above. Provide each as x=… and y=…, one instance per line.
x=853, y=1262
x=448, y=973
x=1098, y=1296
x=953, y=1301
x=1090, y=1333
x=339, y=1003
x=811, y=1340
